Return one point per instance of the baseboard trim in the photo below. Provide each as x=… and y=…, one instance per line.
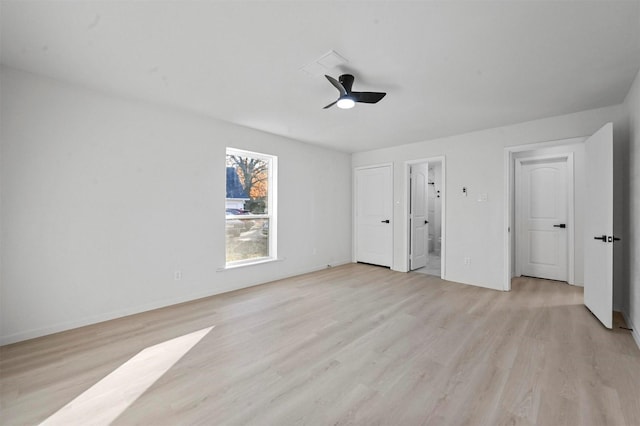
x=95, y=319
x=635, y=333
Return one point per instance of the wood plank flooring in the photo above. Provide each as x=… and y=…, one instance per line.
x=354, y=344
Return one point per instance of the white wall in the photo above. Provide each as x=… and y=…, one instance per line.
x=632, y=293
x=476, y=161
x=103, y=198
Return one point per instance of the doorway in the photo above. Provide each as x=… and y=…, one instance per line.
x=426, y=195
x=538, y=157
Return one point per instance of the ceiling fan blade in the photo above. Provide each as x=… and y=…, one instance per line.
x=337, y=85
x=330, y=105
x=367, y=97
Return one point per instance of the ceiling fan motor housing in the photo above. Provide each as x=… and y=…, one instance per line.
x=347, y=81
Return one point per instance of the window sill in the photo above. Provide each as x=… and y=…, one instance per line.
x=249, y=263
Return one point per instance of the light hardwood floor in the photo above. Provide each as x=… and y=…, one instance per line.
x=354, y=344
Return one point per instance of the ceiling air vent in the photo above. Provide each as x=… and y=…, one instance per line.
x=324, y=64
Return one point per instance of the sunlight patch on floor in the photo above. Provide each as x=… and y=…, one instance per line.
x=106, y=400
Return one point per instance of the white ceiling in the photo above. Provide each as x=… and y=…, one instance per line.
x=448, y=67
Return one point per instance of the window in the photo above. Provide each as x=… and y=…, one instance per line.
x=250, y=207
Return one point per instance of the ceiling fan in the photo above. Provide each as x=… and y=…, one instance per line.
x=348, y=98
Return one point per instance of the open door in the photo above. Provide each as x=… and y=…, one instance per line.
x=419, y=175
x=598, y=239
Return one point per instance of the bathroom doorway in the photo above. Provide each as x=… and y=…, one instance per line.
x=425, y=217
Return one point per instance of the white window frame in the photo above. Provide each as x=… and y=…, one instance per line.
x=271, y=214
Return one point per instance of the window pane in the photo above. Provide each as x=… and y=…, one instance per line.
x=247, y=183
x=248, y=195
x=247, y=238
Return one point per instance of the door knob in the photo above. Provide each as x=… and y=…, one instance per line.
x=385, y=221
x=561, y=225
x=426, y=221
x=603, y=238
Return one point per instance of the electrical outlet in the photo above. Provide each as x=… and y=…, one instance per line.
x=177, y=275
x=467, y=261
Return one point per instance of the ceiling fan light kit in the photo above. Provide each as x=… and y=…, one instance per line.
x=348, y=98
x=345, y=103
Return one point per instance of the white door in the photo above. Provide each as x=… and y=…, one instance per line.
x=373, y=208
x=541, y=218
x=418, y=215
x=598, y=237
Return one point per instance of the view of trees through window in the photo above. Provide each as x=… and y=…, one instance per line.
x=247, y=204
x=253, y=174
